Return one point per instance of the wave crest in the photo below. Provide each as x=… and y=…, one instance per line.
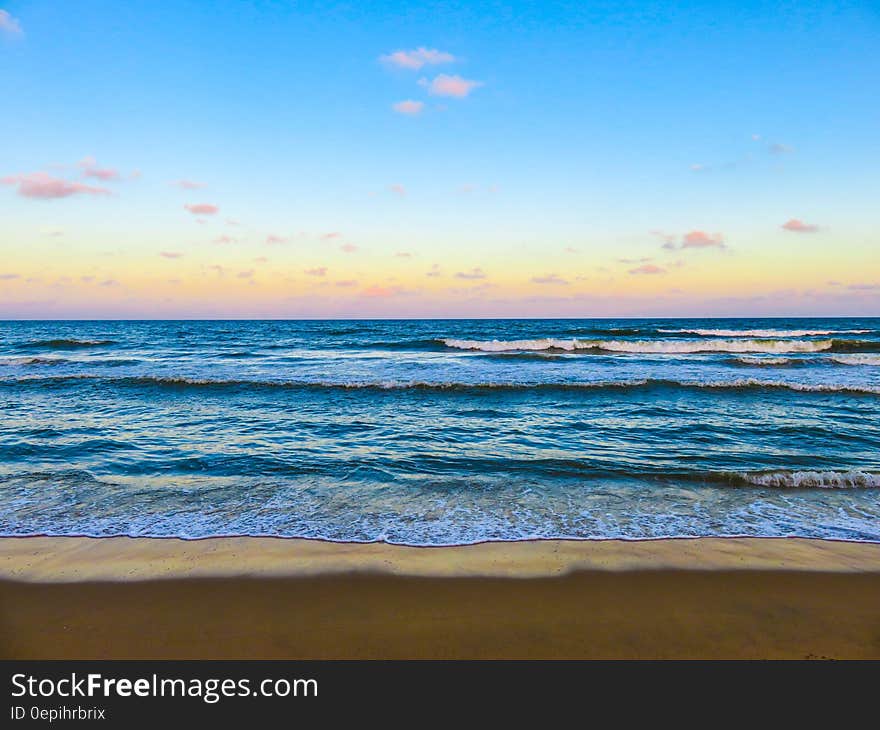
x=65, y=344
x=764, y=333
x=659, y=347
x=813, y=479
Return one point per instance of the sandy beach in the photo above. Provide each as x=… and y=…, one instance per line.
x=275, y=598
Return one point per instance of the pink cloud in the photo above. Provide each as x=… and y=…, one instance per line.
x=8, y=24
x=409, y=107
x=476, y=273
x=42, y=186
x=701, y=239
x=317, y=271
x=648, y=269
x=418, y=57
x=380, y=291
x=549, y=279
x=272, y=238
x=9, y=277
x=444, y=85
x=201, y=208
x=398, y=189
x=245, y=274
x=797, y=226
x=188, y=184
x=90, y=169
x=224, y=239
x=331, y=235
x=346, y=283
x=348, y=247
x=170, y=254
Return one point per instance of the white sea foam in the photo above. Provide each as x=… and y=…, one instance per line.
x=858, y=359
x=765, y=333
x=644, y=346
x=753, y=360
x=814, y=479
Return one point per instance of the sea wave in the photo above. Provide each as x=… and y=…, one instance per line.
x=812, y=479
x=764, y=332
x=676, y=347
x=187, y=382
x=858, y=359
x=64, y=344
x=758, y=361
x=24, y=361
x=665, y=347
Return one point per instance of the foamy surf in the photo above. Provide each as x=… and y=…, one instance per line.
x=858, y=359
x=814, y=479
x=763, y=333
x=651, y=347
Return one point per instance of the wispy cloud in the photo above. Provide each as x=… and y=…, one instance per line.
x=549, y=279
x=435, y=271
x=245, y=274
x=348, y=248
x=476, y=273
x=317, y=271
x=648, y=269
x=273, y=239
x=170, y=254
x=346, y=283
x=397, y=189
x=798, y=226
x=417, y=58
x=43, y=186
x=377, y=291
x=455, y=86
x=409, y=107
x=9, y=277
x=777, y=148
x=403, y=255
x=188, y=184
x=202, y=208
x=8, y=24
x=691, y=239
x=90, y=169
x=224, y=239
x=331, y=235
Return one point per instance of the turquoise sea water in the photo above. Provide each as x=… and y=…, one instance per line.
x=441, y=432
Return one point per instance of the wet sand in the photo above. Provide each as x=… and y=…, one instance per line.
x=270, y=598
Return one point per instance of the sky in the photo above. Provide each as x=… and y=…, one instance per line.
x=281, y=159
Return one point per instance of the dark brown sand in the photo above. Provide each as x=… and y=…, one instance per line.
x=633, y=615
x=267, y=598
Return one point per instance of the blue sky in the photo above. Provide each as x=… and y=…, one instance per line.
x=597, y=127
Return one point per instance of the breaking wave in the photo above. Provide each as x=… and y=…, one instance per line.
x=645, y=346
x=64, y=344
x=765, y=332
x=184, y=382
x=813, y=479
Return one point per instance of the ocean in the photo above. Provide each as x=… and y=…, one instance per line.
x=437, y=432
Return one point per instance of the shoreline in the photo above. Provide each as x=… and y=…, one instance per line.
x=283, y=598
x=79, y=559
